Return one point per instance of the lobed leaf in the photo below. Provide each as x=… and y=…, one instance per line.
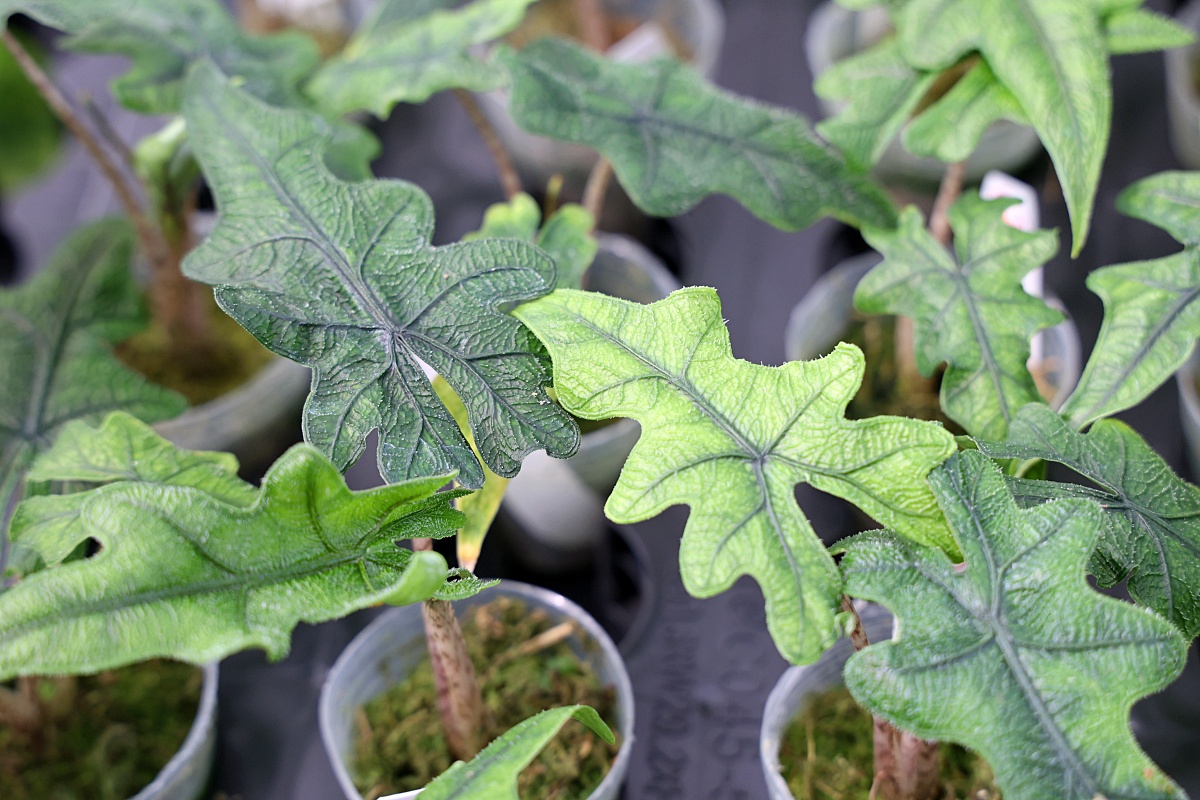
x=1151, y=530
x=950, y=129
x=732, y=439
x=970, y=312
x=492, y=775
x=1012, y=653
x=184, y=574
x=56, y=361
x=566, y=236
x=1151, y=317
x=407, y=60
x=341, y=277
x=1052, y=56
x=673, y=138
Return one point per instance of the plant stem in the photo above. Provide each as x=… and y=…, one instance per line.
x=460, y=702
x=596, y=188
x=508, y=173
x=948, y=192
x=906, y=767
x=593, y=28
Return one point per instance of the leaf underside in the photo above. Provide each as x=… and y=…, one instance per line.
x=56, y=361
x=732, y=439
x=492, y=775
x=1013, y=654
x=1151, y=317
x=969, y=309
x=183, y=574
x=1151, y=532
x=341, y=277
x=673, y=138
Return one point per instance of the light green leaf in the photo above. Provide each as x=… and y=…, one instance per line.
x=732, y=439
x=56, y=361
x=950, y=129
x=1012, y=653
x=461, y=583
x=969, y=312
x=183, y=574
x=881, y=91
x=1151, y=317
x=121, y=448
x=492, y=775
x=566, y=237
x=341, y=277
x=1151, y=532
x=162, y=39
x=1051, y=55
x=409, y=60
x=673, y=138
x=1136, y=30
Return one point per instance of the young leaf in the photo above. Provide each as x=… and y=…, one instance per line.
x=950, y=129
x=732, y=439
x=183, y=574
x=566, y=236
x=970, y=312
x=492, y=775
x=1151, y=532
x=881, y=91
x=408, y=61
x=1051, y=55
x=1151, y=317
x=341, y=277
x=122, y=448
x=1012, y=653
x=162, y=39
x=674, y=139
x=56, y=363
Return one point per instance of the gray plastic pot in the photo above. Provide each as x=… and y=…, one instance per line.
x=185, y=777
x=392, y=646
x=835, y=33
x=556, y=504
x=1183, y=98
x=699, y=23
x=798, y=684
x=820, y=319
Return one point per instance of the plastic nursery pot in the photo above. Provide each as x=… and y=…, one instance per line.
x=698, y=24
x=835, y=33
x=556, y=504
x=821, y=318
x=1189, y=408
x=392, y=646
x=185, y=777
x=798, y=684
x=1183, y=94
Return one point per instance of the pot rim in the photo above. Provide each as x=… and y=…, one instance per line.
x=621, y=683
x=199, y=735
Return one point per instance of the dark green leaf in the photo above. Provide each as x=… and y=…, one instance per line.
x=1012, y=653
x=732, y=439
x=674, y=139
x=341, y=277
x=30, y=135
x=1151, y=531
x=183, y=574
x=970, y=312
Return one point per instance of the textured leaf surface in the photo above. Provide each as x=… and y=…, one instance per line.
x=674, y=139
x=566, y=237
x=162, y=39
x=950, y=129
x=56, y=363
x=492, y=775
x=1013, y=654
x=1051, y=55
x=121, y=448
x=408, y=60
x=341, y=277
x=185, y=575
x=1151, y=317
x=732, y=439
x=969, y=312
x=1151, y=532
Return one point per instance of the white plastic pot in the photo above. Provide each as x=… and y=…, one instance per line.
x=1189, y=408
x=1183, y=98
x=835, y=33
x=392, y=646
